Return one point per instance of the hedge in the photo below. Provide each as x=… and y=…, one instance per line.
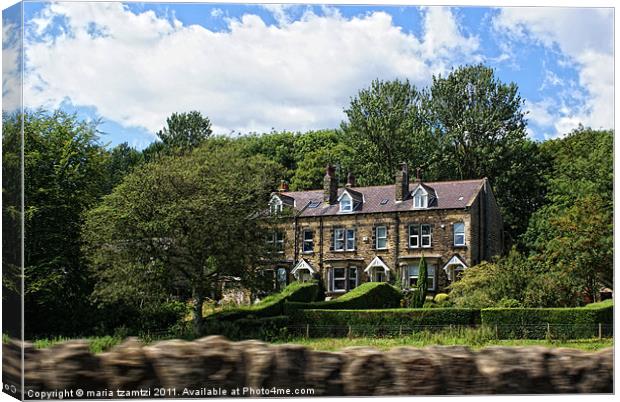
x=536, y=323
x=380, y=322
x=370, y=295
x=272, y=305
x=266, y=328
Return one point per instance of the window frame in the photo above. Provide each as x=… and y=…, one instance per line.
x=384, y=237
x=350, y=238
x=455, y=234
x=356, y=278
x=342, y=241
x=275, y=206
x=278, y=242
x=343, y=279
x=346, y=199
x=420, y=199
x=428, y=236
x=415, y=227
x=417, y=275
x=306, y=241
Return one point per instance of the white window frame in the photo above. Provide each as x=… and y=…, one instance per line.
x=340, y=236
x=350, y=236
x=346, y=203
x=420, y=199
x=275, y=206
x=461, y=233
x=307, y=241
x=428, y=236
x=384, y=237
x=415, y=237
x=343, y=279
x=279, y=242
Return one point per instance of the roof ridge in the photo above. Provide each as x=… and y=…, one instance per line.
x=357, y=188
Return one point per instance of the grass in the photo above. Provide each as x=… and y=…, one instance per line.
x=474, y=338
x=97, y=344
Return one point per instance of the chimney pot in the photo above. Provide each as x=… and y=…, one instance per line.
x=283, y=186
x=330, y=185
x=401, y=187
x=350, y=180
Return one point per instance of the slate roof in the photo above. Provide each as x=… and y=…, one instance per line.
x=449, y=195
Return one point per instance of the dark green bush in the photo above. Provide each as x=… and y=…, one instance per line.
x=380, y=322
x=272, y=305
x=538, y=323
x=370, y=295
x=266, y=328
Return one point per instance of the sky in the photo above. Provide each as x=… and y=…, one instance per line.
x=258, y=68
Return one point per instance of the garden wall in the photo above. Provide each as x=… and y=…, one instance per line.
x=214, y=363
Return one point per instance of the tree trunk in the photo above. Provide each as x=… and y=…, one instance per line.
x=199, y=298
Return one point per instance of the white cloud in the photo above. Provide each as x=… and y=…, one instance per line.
x=217, y=12
x=584, y=37
x=11, y=54
x=298, y=75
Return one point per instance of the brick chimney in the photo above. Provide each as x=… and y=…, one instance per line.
x=418, y=175
x=401, y=186
x=350, y=180
x=330, y=185
x=283, y=186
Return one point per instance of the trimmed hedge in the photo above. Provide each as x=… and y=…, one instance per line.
x=266, y=328
x=370, y=295
x=537, y=323
x=381, y=322
x=272, y=305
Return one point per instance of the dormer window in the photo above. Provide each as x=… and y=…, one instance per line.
x=420, y=198
x=346, y=203
x=275, y=205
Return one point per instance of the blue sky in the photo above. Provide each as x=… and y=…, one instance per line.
x=254, y=68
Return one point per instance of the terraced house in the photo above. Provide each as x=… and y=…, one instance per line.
x=350, y=235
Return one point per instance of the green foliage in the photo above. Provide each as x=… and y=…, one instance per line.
x=263, y=328
x=123, y=159
x=441, y=297
x=367, y=295
x=539, y=323
x=378, y=322
x=601, y=304
x=185, y=131
x=65, y=169
x=273, y=305
x=179, y=224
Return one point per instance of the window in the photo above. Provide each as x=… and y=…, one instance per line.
x=339, y=280
x=414, y=236
x=426, y=235
x=420, y=198
x=459, y=234
x=276, y=241
x=414, y=271
x=350, y=239
x=281, y=277
x=344, y=239
x=339, y=239
x=304, y=275
x=381, y=237
x=308, y=242
x=346, y=204
x=352, y=278
x=275, y=206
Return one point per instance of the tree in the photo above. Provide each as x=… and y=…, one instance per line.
x=180, y=222
x=182, y=133
x=480, y=124
x=65, y=174
x=386, y=126
x=123, y=159
x=422, y=284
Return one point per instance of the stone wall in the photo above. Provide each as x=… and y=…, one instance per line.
x=213, y=364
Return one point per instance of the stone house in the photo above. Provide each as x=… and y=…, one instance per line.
x=351, y=235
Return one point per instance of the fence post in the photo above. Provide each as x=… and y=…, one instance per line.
x=600, y=331
x=308, y=331
x=350, y=334
x=496, y=332
x=400, y=331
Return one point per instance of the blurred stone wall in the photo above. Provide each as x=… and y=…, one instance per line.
x=213, y=365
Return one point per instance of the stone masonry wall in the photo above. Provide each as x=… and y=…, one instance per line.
x=214, y=363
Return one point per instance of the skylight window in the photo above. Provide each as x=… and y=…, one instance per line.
x=384, y=201
x=314, y=204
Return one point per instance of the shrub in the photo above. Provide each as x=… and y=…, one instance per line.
x=381, y=322
x=272, y=305
x=370, y=295
x=266, y=328
x=539, y=323
x=441, y=297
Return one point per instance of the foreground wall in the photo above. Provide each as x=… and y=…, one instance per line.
x=214, y=365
